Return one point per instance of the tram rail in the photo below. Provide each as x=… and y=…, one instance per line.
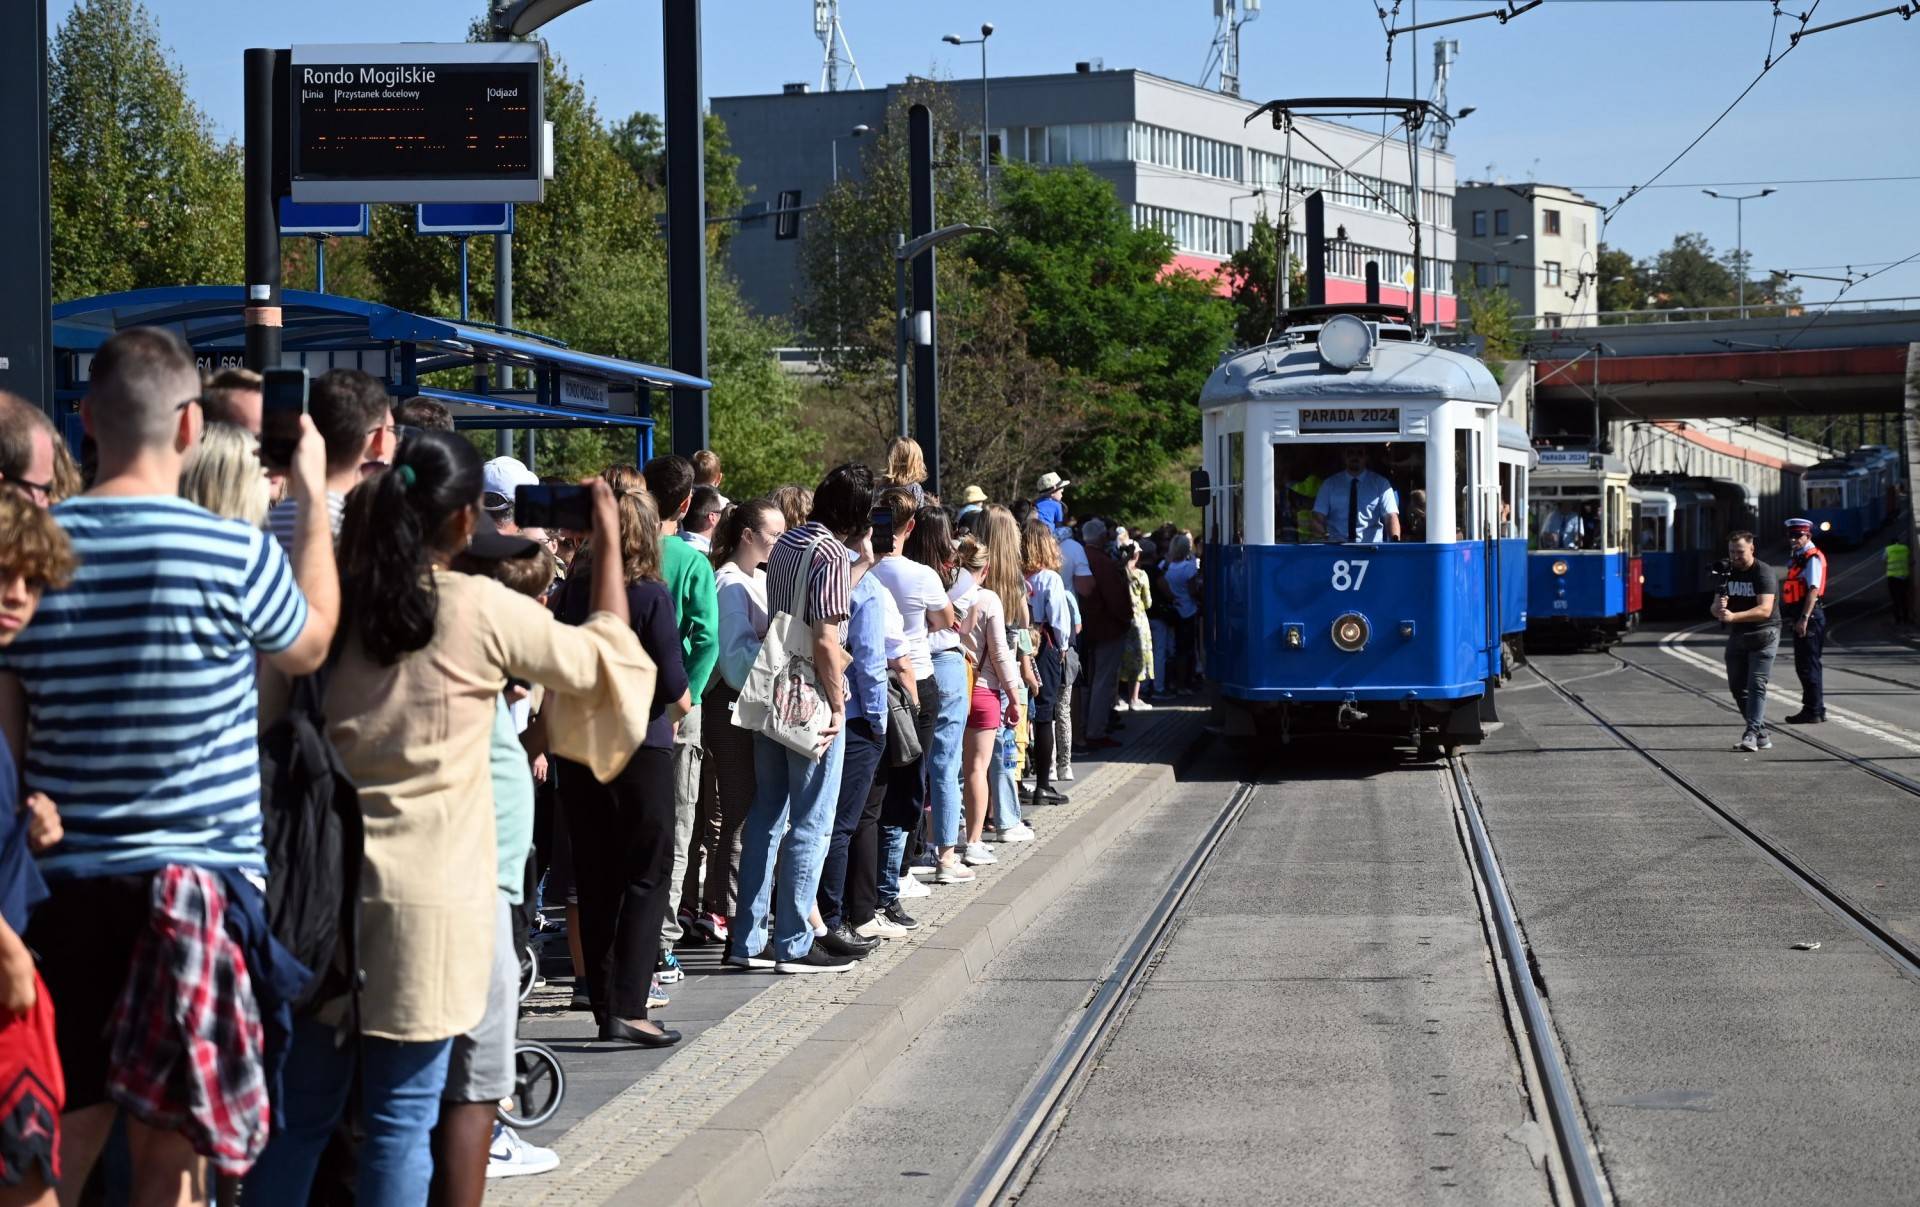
x=1857, y=918
x=1005, y=1166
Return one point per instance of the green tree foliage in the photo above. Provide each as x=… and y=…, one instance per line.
x=142, y=194
x=1689, y=274
x=1489, y=314
x=641, y=141
x=1621, y=284
x=1250, y=279
x=1104, y=303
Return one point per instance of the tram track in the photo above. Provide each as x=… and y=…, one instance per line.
x=1855, y=917
x=1005, y=1166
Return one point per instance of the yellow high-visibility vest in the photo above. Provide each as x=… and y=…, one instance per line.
x=1899, y=560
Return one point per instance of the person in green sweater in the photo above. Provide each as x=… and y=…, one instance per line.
x=689, y=578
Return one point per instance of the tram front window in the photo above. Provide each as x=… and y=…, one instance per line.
x=1569, y=521
x=1333, y=494
x=1822, y=496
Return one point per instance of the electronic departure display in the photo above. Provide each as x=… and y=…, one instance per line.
x=416, y=122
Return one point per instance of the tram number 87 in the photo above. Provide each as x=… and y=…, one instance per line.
x=1347, y=576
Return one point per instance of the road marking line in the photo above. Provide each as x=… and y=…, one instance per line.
x=1674, y=644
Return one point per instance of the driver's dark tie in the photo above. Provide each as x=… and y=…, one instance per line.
x=1353, y=509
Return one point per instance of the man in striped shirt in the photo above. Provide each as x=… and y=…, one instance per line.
x=795, y=796
x=133, y=702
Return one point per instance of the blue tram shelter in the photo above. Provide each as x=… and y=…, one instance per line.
x=453, y=362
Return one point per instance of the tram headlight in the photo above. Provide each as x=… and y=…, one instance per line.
x=1350, y=632
x=1559, y=566
x=1344, y=342
x=1826, y=525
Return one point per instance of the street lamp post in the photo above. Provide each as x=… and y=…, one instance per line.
x=904, y=253
x=986, y=31
x=1740, y=234
x=859, y=131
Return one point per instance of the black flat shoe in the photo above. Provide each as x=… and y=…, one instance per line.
x=616, y=1029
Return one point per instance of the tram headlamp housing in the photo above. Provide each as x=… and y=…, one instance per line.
x=1350, y=632
x=1344, y=342
x=1560, y=566
x=1826, y=525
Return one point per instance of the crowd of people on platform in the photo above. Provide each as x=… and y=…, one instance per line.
x=294, y=748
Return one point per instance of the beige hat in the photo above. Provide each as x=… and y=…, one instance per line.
x=1050, y=482
x=974, y=494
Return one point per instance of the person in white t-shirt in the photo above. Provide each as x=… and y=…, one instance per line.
x=924, y=611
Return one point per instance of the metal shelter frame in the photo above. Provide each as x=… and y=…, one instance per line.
x=323, y=331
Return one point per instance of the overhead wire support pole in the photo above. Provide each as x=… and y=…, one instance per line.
x=1503, y=15
x=1904, y=11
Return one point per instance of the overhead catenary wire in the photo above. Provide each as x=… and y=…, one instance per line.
x=1860, y=280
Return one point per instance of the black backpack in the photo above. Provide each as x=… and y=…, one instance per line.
x=310, y=819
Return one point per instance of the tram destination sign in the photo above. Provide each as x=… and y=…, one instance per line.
x=416, y=122
x=1385, y=420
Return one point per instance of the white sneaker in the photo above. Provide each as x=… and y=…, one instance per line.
x=1142, y=706
x=912, y=887
x=511, y=1157
x=954, y=873
x=878, y=927
x=976, y=853
x=1122, y=706
x=1020, y=833
x=1066, y=774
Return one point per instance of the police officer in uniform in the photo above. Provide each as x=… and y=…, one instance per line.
x=1800, y=596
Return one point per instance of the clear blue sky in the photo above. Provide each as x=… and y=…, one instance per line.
x=1592, y=93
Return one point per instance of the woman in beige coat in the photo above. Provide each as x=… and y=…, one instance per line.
x=423, y=655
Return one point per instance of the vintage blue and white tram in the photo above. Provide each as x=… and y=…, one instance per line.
x=1584, y=573
x=1836, y=496
x=1309, y=631
x=1883, y=477
x=1516, y=458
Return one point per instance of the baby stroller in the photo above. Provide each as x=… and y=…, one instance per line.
x=539, y=1083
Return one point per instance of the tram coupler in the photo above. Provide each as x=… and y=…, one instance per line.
x=1349, y=714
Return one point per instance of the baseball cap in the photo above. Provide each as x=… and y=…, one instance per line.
x=489, y=544
x=500, y=478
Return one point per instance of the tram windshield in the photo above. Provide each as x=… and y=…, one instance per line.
x=1566, y=517
x=1825, y=495
x=1317, y=500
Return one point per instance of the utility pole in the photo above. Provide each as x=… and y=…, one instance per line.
x=686, y=220
x=503, y=302
x=926, y=359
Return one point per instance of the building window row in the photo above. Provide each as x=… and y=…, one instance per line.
x=1185, y=152
x=1348, y=259
x=1201, y=234
x=1356, y=190
x=1082, y=142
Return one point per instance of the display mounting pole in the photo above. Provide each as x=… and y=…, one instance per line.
x=26, y=271
x=686, y=134
x=319, y=263
x=463, y=278
x=926, y=358
x=262, y=314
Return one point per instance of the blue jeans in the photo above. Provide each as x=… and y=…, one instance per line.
x=1000, y=782
x=1749, y=666
x=943, y=758
x=792, y=815
x=893, y=852
x=400, y=1086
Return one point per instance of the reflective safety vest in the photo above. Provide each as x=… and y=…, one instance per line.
x=1899, y=560
x=1794, y=590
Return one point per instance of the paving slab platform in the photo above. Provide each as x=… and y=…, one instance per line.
x=769, y=1062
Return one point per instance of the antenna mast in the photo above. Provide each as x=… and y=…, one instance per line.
x=1224, y=54
x=1445, y=51
x=834, y=48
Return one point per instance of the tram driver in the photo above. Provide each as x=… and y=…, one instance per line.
x=1356, y=505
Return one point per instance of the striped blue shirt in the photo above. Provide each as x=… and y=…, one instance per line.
x=141, y=688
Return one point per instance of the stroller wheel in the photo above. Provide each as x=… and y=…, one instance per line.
x=539, y=1084
x=529, y=972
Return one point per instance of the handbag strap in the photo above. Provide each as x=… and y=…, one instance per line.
x=802, y=574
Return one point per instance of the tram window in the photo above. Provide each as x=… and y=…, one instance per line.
x=1233, y=465
x=1823, y=496
x=1306, y=476
x=1466, y=482
x=1508, y=471
x=1618, y=521
x=1566, y=518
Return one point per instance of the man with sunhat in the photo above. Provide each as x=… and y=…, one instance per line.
x=1047, y=502
x=972, y=500
x=1800, y=595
